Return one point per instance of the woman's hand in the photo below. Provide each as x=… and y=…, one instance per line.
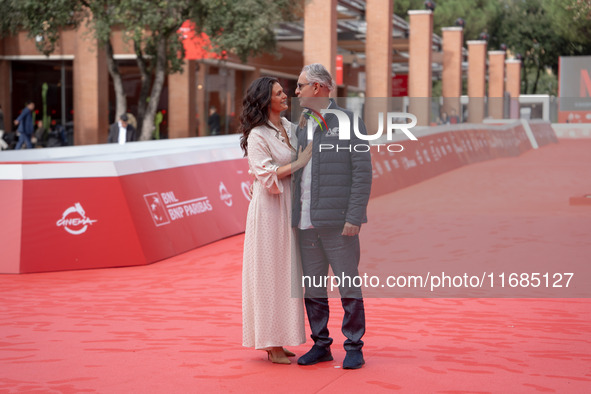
x=304, y=157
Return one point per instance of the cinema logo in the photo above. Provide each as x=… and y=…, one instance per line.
x=343, y=131
x=225, y=196
x=245, y=186
x=74, y=220
x=166, y=207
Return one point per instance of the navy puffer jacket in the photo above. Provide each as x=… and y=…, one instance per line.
x=341, y=179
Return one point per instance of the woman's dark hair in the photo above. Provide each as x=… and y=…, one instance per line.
x=255, y=108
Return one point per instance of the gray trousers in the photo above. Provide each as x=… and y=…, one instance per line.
x=321, y=247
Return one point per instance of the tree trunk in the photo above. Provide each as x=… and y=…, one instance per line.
x=120, y=97
x=160, y=74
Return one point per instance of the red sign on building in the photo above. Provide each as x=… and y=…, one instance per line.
x=574, y=89
x=197, y=46
x=400, y=85
x=339, y=69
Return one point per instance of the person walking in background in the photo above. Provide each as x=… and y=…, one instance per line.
x=454, y=118
x=132, y=120
x=330, y=203
x=25, y=126
x=3, y=144
x=443, y=119
x=40, y=137
x=121, y=131
x=271, y=316
x=213, y=121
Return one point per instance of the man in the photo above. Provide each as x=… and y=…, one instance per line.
x=40, y=137
x=121, y=131
x=25, y=126
x=330, y=201
x=454, y=118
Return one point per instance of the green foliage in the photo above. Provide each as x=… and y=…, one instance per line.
x=540, y=30
x=243, y=27
x=401, y=7
x=157, y=121
x=437, y=88
x=478, y=15
x=547, y=82
x=571, y=19
x=42, y=19
x=46, y=118
x=11, y=15
x=526, y=29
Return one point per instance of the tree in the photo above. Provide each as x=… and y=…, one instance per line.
x=526, y=29
x=478, y=15
x=571, y=19
x=243, y=27
x=44, y=22
x=401, y=7
x=103, y=20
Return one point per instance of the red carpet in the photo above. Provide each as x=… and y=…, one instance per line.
x=174, y=326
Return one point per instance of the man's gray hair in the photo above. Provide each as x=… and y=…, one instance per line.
x=317, y=73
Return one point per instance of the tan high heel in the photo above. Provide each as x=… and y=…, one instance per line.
x=288, y=353
x=277, y=356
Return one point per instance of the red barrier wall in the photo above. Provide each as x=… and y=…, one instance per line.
x=178, y=209
x=438, y=153
x=99, y=222
x=58, y=234
x=11, y=200
x=544, y=133
x=143, y=217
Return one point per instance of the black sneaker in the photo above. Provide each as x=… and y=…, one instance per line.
x=316, y=355
x=353, y=359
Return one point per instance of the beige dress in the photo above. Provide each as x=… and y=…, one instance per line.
x=271, y=314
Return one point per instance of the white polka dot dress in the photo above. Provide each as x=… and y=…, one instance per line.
x=271, y=316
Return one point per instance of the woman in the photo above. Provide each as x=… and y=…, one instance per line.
x=271, y=317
